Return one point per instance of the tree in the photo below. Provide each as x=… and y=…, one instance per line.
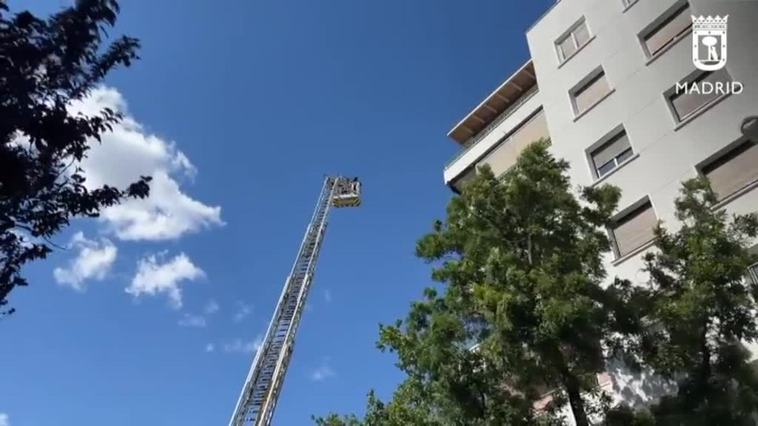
x=45, y=66
x=700, y=306
x=520, y=308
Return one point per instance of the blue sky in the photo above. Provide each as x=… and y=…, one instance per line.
x=239, y=108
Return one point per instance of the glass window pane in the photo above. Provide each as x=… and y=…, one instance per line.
x=624, y=156
x=605, y=168
x=665, y=34
x=591, y=93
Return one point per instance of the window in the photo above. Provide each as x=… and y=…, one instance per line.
x=671, y=28
x=507, y=151
x=611, y=154
x=590, y=91
x=733, y=170
x=634, y=229
x=572, y=41
x=686, y=103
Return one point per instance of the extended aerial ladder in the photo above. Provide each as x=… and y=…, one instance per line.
x=260, y=392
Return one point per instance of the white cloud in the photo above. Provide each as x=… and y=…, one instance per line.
x=210, y=347
x=189, y=320
x=243, y=311
x=128, y=152
x=322, y=372
x=211, y=307
x=93, y=262
x=154, y=277
x=242, y=346
x=4, y=420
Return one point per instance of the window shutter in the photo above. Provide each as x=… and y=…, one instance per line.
x=687, y=103
x=635, y=229
x=582, y=34
x=507, y=152
x=733, y=171
x=591, y=93
x=668, y=31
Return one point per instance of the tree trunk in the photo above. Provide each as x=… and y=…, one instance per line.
x=575, y=399
x=572, y=387
x=705, y=360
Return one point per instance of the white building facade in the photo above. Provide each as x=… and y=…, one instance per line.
x=601, y=84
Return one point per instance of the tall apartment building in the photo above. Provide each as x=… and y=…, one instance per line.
x=601, y=84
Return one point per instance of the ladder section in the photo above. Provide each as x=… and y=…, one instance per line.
x=261, y=390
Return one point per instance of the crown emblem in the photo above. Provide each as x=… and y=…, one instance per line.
x=709, y=42
x=709, y=23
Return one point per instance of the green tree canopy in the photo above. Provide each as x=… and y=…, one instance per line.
x=699, y=307
x=520, y=308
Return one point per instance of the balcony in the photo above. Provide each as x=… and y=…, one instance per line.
x=471, y=142
x=513, y=89
x=500, y=146
x=494, y=131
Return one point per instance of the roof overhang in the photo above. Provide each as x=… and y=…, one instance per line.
x=497, y=102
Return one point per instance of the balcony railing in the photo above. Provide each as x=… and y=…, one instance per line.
x=474, y=140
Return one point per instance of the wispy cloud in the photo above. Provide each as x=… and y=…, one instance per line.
x=210, y=347
x=4, y=420
x=199, y=320
x=128, y=152
x=328, y=296
x=323, y=371
x=93, y=261
x=154, y=277
x=211, y=307
x=189, y=320
x=243, y=311
x=243, y=346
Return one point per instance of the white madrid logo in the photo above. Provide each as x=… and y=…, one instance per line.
x=709, y=42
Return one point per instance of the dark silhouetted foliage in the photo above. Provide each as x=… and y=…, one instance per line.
x=45, y=65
